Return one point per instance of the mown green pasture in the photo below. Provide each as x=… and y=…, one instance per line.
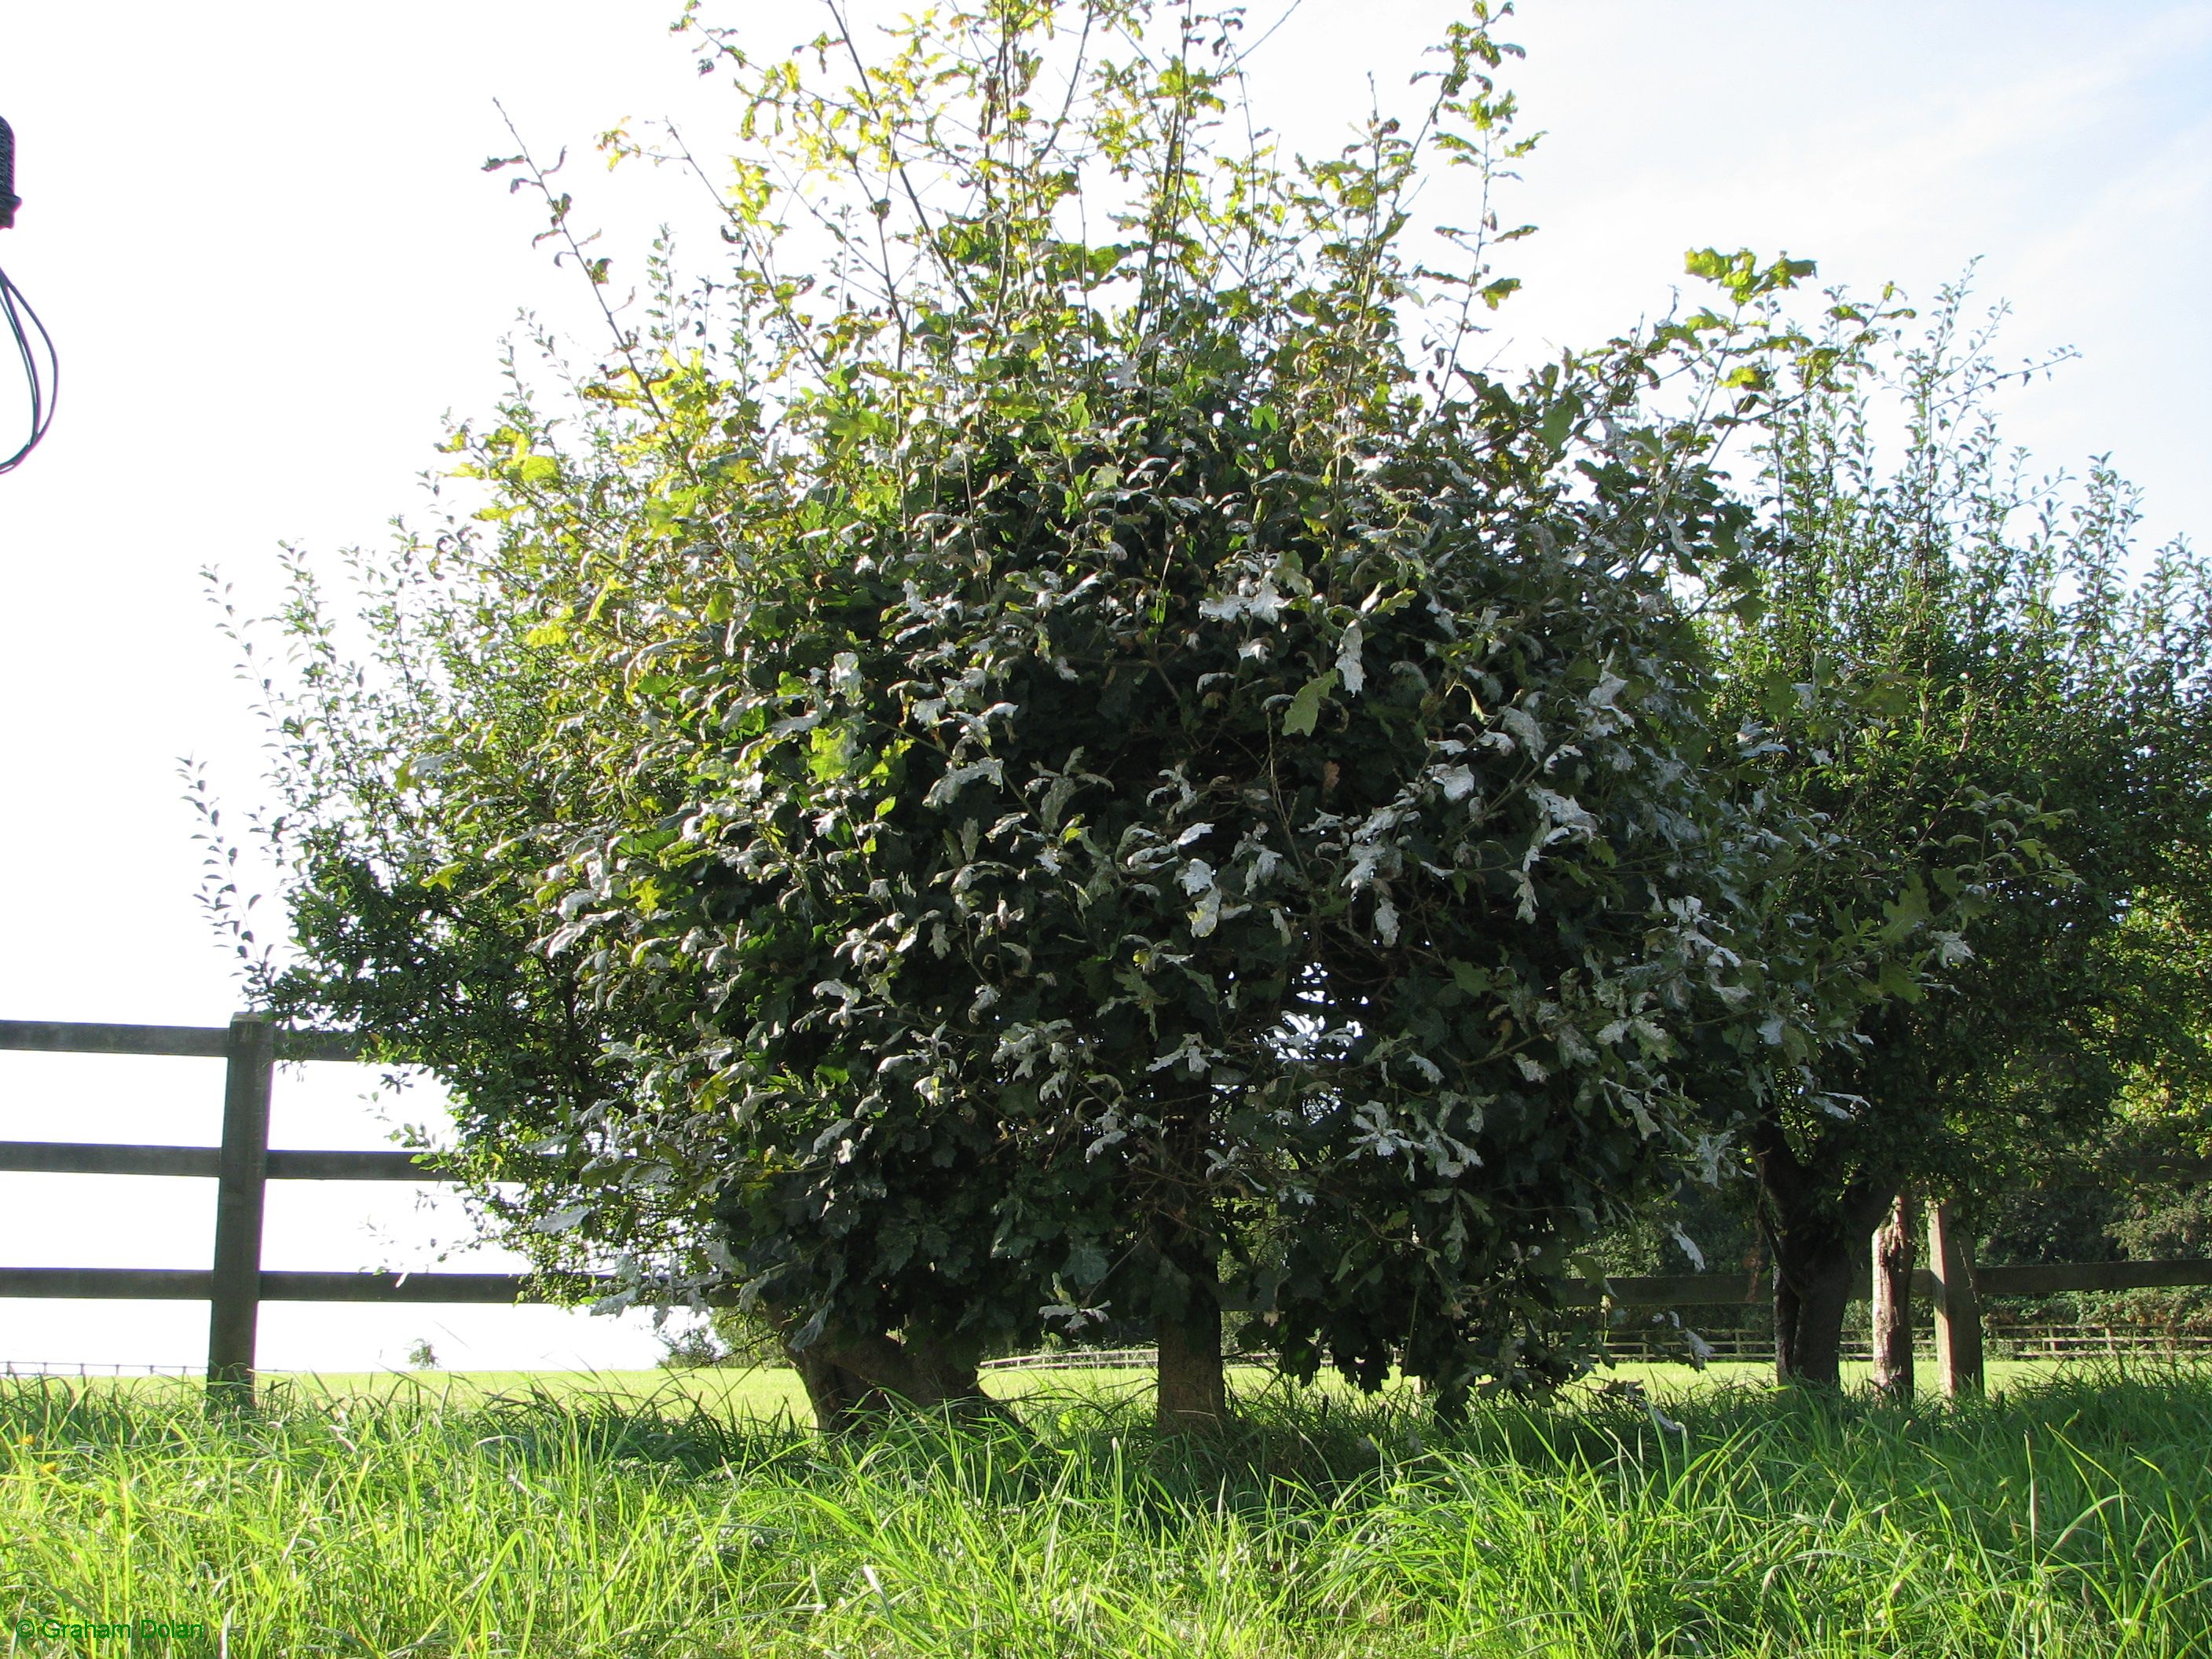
x=484, y=1515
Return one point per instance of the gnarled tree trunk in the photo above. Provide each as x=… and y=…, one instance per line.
x=1817, y=1238
x=842, y=1402
x=852, y=1377
x=1812, y=1287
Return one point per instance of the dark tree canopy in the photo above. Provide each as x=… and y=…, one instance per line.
x=1130, y=838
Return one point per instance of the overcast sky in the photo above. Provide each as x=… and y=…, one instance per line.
x=260, y=235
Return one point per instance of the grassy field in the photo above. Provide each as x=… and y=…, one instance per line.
x=768, y=1393
x=433, y=1514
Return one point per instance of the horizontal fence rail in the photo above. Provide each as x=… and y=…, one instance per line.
x=179, y=1041
x=2044, y=1342
x=1074, y=1360
x=1673, y=1290
x=40, y=1367
x=2058, y=1341
x=2012, y=1341
x=196, y=1284
x=100, y=1157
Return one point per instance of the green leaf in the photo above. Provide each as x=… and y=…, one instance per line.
x=1086, y=1264
x=1305, y=708
x=832, y=752
x=1559, y=422
x=1910, y=910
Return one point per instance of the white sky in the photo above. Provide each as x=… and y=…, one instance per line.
x=259, y=234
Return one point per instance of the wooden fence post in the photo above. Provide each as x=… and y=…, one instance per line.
x=1893, y=1243
x=1958, y=1308
x=242, y=1174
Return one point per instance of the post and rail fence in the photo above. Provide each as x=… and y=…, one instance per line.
x=235, y=1283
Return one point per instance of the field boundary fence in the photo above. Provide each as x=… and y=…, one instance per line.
x=235, y=1283
x=88, y=1368
x=1074, y=1360
x=2042, y=1342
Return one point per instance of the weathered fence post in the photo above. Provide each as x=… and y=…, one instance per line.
x=242, y=1174
x=1893, y=1245
x=1958, y=1308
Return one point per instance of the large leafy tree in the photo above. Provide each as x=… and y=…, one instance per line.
x=2002, y=738
x=1113, y=878
x=1071, y=761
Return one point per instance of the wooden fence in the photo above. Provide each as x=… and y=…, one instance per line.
x=1076, y=1360
x=2037, y=1341
x=235, y=1283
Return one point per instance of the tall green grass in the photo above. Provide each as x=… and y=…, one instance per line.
x=2069, y=1518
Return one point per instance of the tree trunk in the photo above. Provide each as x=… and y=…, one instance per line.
x=1815, y=1236
x=1194, y=1396
x=851, y=1379
x=1785, y=1327
x=1812, y=1288
x=1192, y=1391
x=843, y=1403
x=1894, y=1253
